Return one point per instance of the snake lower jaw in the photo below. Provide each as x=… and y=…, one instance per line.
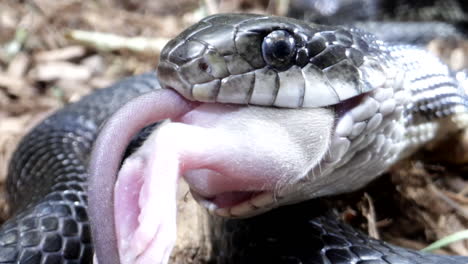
x=238, y=204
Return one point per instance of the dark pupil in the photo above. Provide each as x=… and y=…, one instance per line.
x=278, y=49
x=281, y=49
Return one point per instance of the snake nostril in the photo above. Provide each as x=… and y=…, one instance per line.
x=203, y=66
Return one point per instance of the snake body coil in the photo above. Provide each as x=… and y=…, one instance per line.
x=50, y=222
x=388, y=102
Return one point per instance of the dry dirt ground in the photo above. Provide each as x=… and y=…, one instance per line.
x=48, y=59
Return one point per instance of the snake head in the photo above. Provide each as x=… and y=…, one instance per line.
x=271, y=61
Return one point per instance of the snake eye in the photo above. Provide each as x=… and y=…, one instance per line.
x=278, y=49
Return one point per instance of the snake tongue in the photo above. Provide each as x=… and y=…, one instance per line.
x=226, y=153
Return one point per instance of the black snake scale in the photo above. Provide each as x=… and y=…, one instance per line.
x=50, y=222
x=311, y=237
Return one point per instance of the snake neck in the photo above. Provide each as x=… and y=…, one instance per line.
x=437, y=104
x=419, y=103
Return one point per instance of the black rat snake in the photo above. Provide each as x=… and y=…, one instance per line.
x=50, y=222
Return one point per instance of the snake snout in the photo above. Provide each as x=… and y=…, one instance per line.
x=170, y=79
x=201, y=71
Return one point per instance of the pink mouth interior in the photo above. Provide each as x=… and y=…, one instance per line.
x=219, y=190
x=226, y=200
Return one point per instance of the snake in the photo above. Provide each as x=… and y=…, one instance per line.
x=364, y=104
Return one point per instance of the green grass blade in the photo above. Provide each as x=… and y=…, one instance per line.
x=447, y=240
